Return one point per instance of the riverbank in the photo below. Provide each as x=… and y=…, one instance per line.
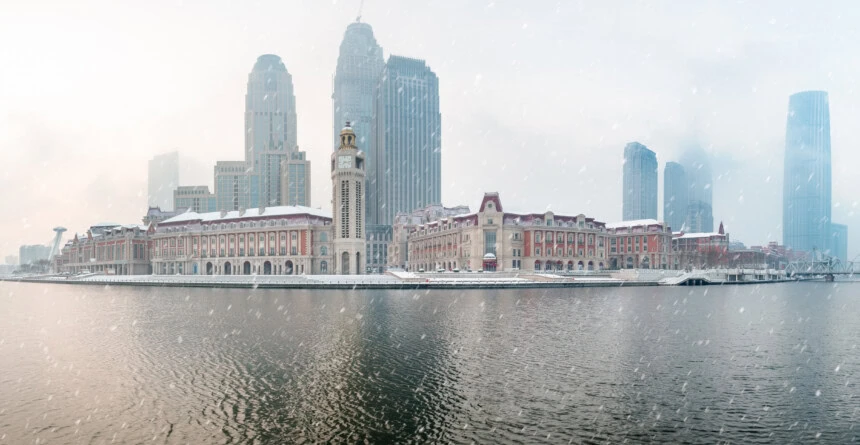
x=408, y=280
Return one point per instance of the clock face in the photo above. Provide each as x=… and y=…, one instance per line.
x=344, y=162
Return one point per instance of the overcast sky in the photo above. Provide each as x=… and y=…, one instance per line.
x=538, y=98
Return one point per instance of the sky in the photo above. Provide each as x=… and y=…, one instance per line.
x=538, y=98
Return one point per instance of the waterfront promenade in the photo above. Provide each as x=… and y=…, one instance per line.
x=450, y=280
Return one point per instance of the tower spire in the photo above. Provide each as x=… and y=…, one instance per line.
x=360, y=7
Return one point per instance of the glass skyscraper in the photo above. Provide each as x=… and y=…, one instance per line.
x=675, y=198
x=359, y=65
x=163, y=179
x=270, y=126
x=700, y=192
x=404, y=172
x=806, y=202
x=640, y=183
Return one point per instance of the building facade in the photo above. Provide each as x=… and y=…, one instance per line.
x=702, y=250
x=270, y=127
x=640, y=244
x=163, y=178
x=281, y=240
x=640, y=183
x=839, y=242
x=296, y=183
x=404, y=173
x=110, y=249
x=359, y=65
x=30, y=254
x=348, y=204
x=197, y=198
x=405, y=223
x=806, y=206
x=235, y=187
x=675, y=197
x=700, y=190
x=493, y=240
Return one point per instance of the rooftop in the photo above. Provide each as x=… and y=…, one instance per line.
x=634, y=223
x=250, y=213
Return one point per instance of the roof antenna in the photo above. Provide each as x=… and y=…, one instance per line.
x=360, y=7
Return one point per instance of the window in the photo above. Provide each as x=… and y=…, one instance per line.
x=537, y=251
x=323, y=251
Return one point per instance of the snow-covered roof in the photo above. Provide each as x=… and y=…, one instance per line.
x=250, y=213
x=638, y=222
x=698, y=235
x=140, y=227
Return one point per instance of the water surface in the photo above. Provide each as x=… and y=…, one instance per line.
x=758, y=364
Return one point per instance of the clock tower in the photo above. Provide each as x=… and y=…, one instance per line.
x=347, y=184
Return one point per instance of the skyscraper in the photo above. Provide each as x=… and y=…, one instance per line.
x=697, y=167
x=296, y=182
x=359, y=65
x=675, y=197
x=270, y=126
x=163, y=179
x=640, y=183
x=405, y=173
x=839, y=242
x=235, y=188
x=806, y=202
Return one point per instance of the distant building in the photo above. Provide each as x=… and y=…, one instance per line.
x=640, y=244
x=404, y=223
x=675, y=197
x=806, y=207
x=270, y=128
x=839, y=242
x=359, y=65
x=700, y=192
x=405, y=158
x=701, y=250
x=494, y=240
x=163, y=179
x=12, y=260
x=235, y=187
x=194, y=197
x=107, y=248
x=156, y=215
x=296, y=183
x=379, y=237
x=30, y=254
x=640, y=183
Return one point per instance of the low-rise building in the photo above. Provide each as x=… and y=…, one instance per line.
x=107, y=248
x=281, y=240
x=702, y=250
x=404, y=223
x=494, y=240
x=641, y=244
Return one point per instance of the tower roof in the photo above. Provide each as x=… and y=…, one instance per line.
x=268, y=62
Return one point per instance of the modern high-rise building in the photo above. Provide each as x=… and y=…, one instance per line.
x=270, y=126
x=675, y=198
x=197, y=198
x=163, y=179
x=405, y=172
x=296, y=182
x=640, y=183
x=806, y=201
x=30, y=254
x=839, y=242
x=359, y=65
x=700, y=192
x=235, y=188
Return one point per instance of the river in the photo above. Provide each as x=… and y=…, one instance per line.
x=774, y=363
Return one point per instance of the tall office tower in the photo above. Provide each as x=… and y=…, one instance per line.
x=806, y=204
x=296, y=182
x=839, y=242
x=270, y=125
x=700, y=191
x=405, y=173
x=674, y=195
x=235, y=188
x=163, y=179
x=640, y=183
x=347, y=182
x=359, y=65
x=195, y=198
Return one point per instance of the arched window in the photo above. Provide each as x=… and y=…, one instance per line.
x=324, y=266
x=323, y=250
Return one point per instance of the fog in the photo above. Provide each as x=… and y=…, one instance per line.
x=537, y=101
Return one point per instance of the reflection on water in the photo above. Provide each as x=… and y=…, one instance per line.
x=773, y=364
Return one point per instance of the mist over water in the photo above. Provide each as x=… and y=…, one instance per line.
x=773, y=363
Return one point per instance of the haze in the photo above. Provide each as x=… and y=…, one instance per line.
x=537, y=99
